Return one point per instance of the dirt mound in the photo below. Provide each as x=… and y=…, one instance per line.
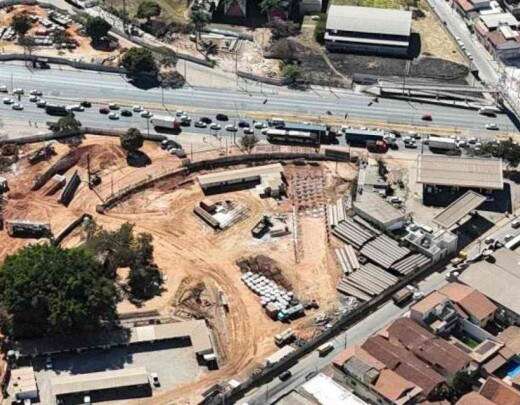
x=265, y=266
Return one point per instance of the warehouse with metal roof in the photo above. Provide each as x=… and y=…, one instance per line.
x=102, y=386
x=375, y=209
x=368, y=30
x=458, y=209
x=460, y=172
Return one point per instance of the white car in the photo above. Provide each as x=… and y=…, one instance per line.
x=231, y=128
x=249, y=131
x=113, y=116
x=35, y=92
x=260, y=125
x=146, y=114
x=33, y=99
x=113, y=106
x=18, y=91
x=41, y=103
x=17, y=106
x=75, y=107
x=215, y=127
x=137, y=108
x=3, y=89
x=492, y=126
x=8, y=101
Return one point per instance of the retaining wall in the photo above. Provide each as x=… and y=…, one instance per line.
x=69, y=228
x=263, y=79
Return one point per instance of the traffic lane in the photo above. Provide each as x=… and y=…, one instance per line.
x=110, y=86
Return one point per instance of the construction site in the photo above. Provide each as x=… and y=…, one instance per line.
x=250, y=256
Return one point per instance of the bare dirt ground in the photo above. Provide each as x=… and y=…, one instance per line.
x=190, y=253
x=83, y=51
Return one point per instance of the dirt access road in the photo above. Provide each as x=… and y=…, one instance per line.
x=186, y=249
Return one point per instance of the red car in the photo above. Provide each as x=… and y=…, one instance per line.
x=427, y=117
x=104, y=110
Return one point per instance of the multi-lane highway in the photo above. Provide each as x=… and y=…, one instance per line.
x=68, y=86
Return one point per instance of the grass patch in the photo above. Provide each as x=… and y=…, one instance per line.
x=371, y=3
x=171, y=9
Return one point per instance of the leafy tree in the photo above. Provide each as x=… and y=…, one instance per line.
x=248, y=142
x=60, y=36
x=283, y=29
x=199, y=19
x=66, y=124
x=143, y=248
x=132, y=140
x=508, y=150
x=138, y=61
x=97, y=28
x=148, y=9
x=46, y=290
x=291, y=73
x=21, y=24
x=144, y=281
x=319, y=29
x=268, y=5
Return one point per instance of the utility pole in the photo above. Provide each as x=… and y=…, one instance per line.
x=124, y=16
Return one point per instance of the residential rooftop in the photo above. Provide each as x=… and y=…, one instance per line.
x=499, y=392
x=473, y=302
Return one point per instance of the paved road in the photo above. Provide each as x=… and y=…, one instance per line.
x=69, y=85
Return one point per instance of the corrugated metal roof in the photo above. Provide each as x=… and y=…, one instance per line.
x=458, y=209
x=371, y=41
x=102, y=380
x=369, y=20
x=460, y=171
x=213, y=179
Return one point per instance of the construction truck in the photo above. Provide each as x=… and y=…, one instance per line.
x=442, y=144
x=284, y=338
x=377, y=146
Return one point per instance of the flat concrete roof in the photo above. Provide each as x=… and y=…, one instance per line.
x=460, y=171
x=378, y=209
x=499, y=281
x=458, y=209
x=126, y=377
x=369, y=20
x=496, y=19
x=214, y=179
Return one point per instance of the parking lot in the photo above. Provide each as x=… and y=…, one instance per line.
x=174, y=364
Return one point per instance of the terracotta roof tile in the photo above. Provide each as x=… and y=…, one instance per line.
x=361, y=354
x=456, y=291
x=499, y=392
x=429, y=302
x=474, y=398
x=392, y=386
x=478, y=305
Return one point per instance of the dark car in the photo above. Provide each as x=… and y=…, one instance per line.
x=285, y=375
x=427, y=117
x=249, y=131
x=206, y=120
x=243, y=124
x=200, y=124
x=104, y=110
x=126, y=113
x=86, y=104
x=222, y=117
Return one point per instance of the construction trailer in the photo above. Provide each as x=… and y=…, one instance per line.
x=19, y=228
x=262, y=227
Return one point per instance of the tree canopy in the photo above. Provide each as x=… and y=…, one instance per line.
x=46, y=290
x=268, y=5
x=148, y=9
x=291, y=73
x=199, y=19
x=97, y=28
x=21, y=23
x=138, y=61
x=67, y=123
x=248, y=142
x=319, y=29
x=508, y=150
x=132, y=140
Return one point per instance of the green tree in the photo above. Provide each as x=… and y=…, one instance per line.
x=132, y=140
x=199, y=19
x=138, y=61
x=319, y=29
x=67, y=123
x=46, y=290
x=508, y=150
x=21, y=24
x=268, y=5
x=97, y=28
x=144, y=281
x=248, y=142
x=148, y=9
x=291, y=73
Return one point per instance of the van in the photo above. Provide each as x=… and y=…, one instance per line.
x=515, y=224
x=285, y=375
x=325, y=349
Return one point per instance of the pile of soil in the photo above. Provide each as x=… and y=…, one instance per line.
x=266, y=267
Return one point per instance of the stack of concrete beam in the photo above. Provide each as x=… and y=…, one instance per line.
x=269, y=292
x=206, y=217
x=54, y=184
x=347, y=259
x=370, y=280
x=236, y=215
x=384, y=251
x=414, y=262
x=336, y=213
x=70, y=189
x=351, y=232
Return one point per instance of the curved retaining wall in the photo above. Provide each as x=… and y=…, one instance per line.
x=208, y=165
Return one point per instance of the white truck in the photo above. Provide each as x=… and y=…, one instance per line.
x=442, y=144
x=165, y=122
